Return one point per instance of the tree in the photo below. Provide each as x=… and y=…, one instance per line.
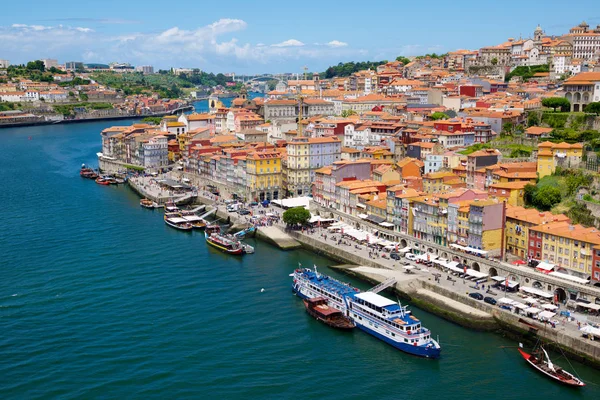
x=532, y=119
x=529, y=193
x=347, y=113
x=556, y=102
x=36, y=65
x=593, y=108
x=403, y=60
x=152, y=120
x=296, y=215
x=494, y=61
x=507, y=128
x=439, y=115
x=546, y=197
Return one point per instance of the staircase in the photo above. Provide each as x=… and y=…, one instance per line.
x=383, y=285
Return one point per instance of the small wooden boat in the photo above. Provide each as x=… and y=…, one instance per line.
x=543, y=364
x=102, y=181
x=192, y=218
x=319, y=309
x=227, y=244
x=147, y=203
x=171, y=207
x=87, y=173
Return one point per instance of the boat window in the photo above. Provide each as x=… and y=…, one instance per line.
x=405, y=340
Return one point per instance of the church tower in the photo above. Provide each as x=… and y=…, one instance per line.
x=538, y=34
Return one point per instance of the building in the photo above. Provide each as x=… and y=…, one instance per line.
x=582, y=89
x=49, y=63
x=145, y=69
x=486, y=226
x=326, y=179
x=305, y=156
x=552, y=155
x=74, y=66
x=4, y=64
x=263, y=175
x=569, y=247
x=511, y=193
x=155, y=152
x=518, y=222
x=478, y=160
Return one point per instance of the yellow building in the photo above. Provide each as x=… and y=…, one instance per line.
x=512, y=192
x=434, y=182
x=263, y=175
x=552, y=155
x=518, y=222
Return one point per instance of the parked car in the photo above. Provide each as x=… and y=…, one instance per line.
x=489, y=300
x=410, y=256
x=395, y=256
x=253, y=204
x=476, y=296
x=243, y=211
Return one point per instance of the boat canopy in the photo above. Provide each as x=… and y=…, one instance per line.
x=375, y=299
x=569, y=277
x=537, y=292
x=177, y=220
x=192, y=218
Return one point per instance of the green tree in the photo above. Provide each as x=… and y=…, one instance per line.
x=152, y=120
x=546, y=197
x=556, y=102
x=529, y=194
x=37, y=65
x=403, y=60
x=580, y=214
x=494, y=61
x=507, y=128
x=532, y=119
x=296, y=215
x=347, y=113
x=83, y=97
x=593, y=108
x=439, y=115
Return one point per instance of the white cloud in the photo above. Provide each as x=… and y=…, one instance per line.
x=289, y=43
x=212, y=47
x=337, y=43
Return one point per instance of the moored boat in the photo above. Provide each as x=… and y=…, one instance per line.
x=191, y=217
x=226, y=244
x=372, y=313
x=102, y=181
x=542, y=363
x=87, y=173
x=318, y=308
x=178, y=223
x=170, y=206
x=147, y=203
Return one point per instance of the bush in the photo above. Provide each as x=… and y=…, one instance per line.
x=296, y=215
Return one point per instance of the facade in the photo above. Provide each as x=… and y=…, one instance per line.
x=263, y=175
x=156, y=152
x=305, y=156
x=582, y=89
x=4, y=64
x=486, y=226
x=552, y=155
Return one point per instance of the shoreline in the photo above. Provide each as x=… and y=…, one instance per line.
x=447, y=303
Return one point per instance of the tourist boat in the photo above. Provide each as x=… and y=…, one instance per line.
x=247, y=248
x=191, y=217
x=318, y=308
x=224, y=243
x=147, y=203
x=170, y=206
x=88, y=173
x=543, y=364
x=372, y=313
x=178, y=223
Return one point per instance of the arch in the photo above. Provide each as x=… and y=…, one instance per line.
x=403, y=243
x=569, y=96
x=561, y=295
x=430, y=250
x=465, y=261
x=514, y=278
x=456, y=258
x=537, y=285
x=475, y=266
x=493, y=271
x=357, y=225
x=586, y=98
x=445, y=255
x=577, y=97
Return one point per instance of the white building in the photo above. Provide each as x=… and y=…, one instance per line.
x=433, y=163
x=4, y=63
x=145, y=69
x=49, y=63
x=156, y=154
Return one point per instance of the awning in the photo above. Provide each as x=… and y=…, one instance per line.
x=476, y=251
x=476, y=274
x=375, y=219
x=404, y=250
x=520, y=305
x=386, y=224
x=545, y=267
x=550, y=307
x=569, y=277
x=546, y=314
x=499, y=278
x=457, y=246
x=505, y=300
x=361, y=205
x=363, y=216
x=511, y=284
x=530, y=300
x=591, y=306
x=532, y=310
x=591, y=330
x=537, y=292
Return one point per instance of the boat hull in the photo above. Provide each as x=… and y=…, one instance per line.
x=236, y=252
x=420, y=351
x=574, y=382
x=179, y=227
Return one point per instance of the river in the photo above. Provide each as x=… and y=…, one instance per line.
x=100, y=299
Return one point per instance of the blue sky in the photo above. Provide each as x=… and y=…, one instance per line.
x=269, y=36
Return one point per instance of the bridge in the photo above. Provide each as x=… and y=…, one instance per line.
x=563, y=289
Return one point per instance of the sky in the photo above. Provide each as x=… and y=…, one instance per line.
x=267, y=36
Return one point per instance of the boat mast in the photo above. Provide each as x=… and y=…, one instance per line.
x=550, y=365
